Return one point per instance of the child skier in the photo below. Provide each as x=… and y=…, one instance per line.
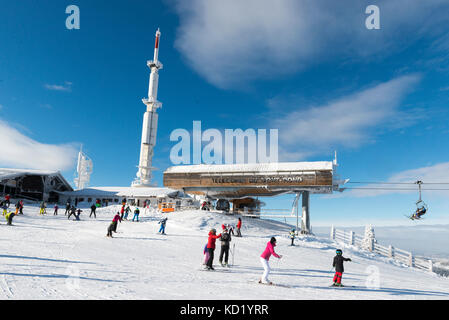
x=231, y=229
x=136, y=214
x=78, y=214
x=9, y=216
x=206, y=255
x=17, y=207
x=162, y=222
x=127, y=211
x=4, y=207
x=21, y=207
x=292, y=236
x=7, y=200
x=338, y=265
x=67, y=207
x=56, y=210
x=72, y=211
x=211, y=247
x=264, y=259
x=113, y=226
x=225, y=239
x=43, y=211
x=122, y=211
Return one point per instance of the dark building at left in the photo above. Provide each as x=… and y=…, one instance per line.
x=33, y=184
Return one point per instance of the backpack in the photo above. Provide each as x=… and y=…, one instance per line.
x=225, y=237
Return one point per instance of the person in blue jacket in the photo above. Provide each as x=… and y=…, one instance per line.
x=136, y=214
x=162, y=222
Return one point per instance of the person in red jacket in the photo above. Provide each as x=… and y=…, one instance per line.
x=265, y=257
x=8, y=200
x=122, y=212
x=211, y=247
x=239, y=225
x=113, y=226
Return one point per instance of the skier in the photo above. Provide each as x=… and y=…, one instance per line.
x=115, y=220
x=56, y=210
x=93, y=208
x=122, y=211
x=419, y=212
x=113, y=226
x=127, y=211
x=225, y=239
x=264, y=259
x=339, y=269
x=43, y=207
x=136, y=214
x=206, y=255
x=17, y=207
x=78, y=214
x=67, y=207
x=72, y=211
x=21, y=207
x=4, y=207
x=110, y=228
x=231, y=229
x=7, y=200
x=162, y=222
x=211, y=247
x=9, y=216
x=239, y=225
x=205, y=206
x=292, y=236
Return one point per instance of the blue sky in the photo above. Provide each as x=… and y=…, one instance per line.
x=308, y=68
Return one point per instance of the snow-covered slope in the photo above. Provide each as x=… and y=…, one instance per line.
x=48, y=257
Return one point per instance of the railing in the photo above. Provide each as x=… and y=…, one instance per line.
x=402, y=256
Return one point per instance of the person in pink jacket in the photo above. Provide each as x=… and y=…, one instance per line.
x=265, y=257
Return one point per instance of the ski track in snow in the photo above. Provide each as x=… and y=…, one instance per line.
x=50, y=257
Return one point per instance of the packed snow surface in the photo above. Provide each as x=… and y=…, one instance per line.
x=51, y=257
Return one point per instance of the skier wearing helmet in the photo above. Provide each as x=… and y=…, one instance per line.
x=339, y=269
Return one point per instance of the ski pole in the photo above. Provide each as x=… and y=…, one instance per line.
x=233, y=251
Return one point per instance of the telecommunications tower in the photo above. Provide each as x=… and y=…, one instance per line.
x=150, y=118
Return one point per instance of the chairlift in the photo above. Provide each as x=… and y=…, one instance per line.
x=421, y=206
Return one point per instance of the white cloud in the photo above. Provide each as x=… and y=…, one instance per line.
x=348, y=122
x=438, y=173
x=232, y=42
x=20, y=151
x=67, y=87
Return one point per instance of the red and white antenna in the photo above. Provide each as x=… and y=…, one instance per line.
x=150, y=120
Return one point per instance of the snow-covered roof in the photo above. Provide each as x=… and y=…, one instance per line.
x=122, y=192
x=7, y=173
x=253, y=167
